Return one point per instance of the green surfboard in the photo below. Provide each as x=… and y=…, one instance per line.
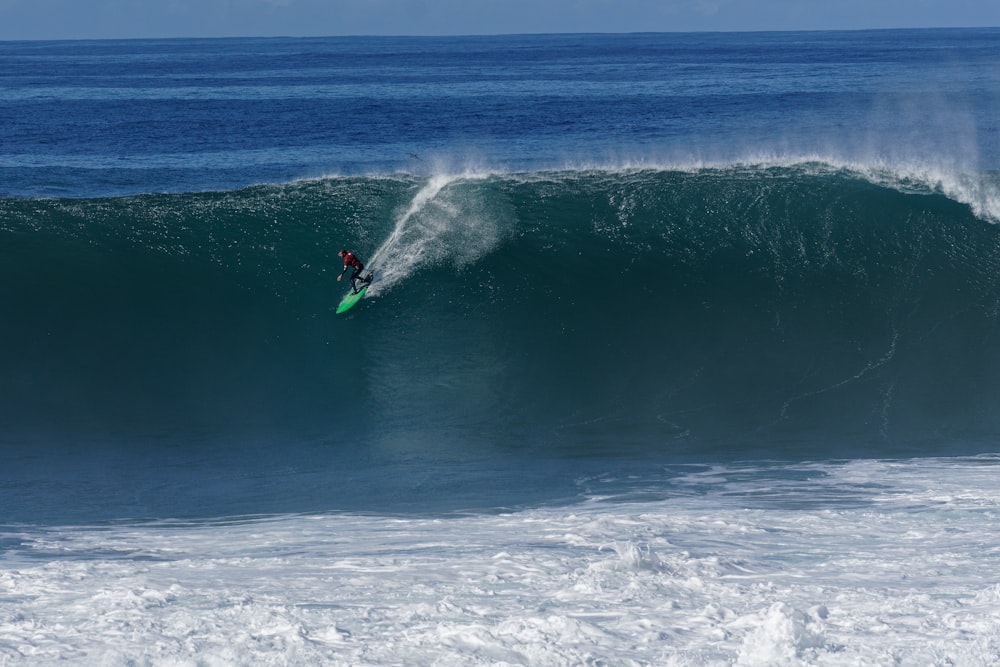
x=351, y=299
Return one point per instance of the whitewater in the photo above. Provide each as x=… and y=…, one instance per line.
x=823, y=564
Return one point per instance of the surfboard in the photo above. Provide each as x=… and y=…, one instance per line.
x=352, y=298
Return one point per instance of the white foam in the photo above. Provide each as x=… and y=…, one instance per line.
x=863, y=563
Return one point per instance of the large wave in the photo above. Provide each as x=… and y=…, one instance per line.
x=738, y=310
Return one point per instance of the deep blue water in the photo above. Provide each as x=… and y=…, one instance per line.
x=115, y=117
x=601, y=256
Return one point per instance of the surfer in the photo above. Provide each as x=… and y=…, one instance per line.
x=351, y=261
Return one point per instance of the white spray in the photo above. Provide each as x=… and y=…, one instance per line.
x=443, y=221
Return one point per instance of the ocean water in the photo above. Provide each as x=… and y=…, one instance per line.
x=683, y=350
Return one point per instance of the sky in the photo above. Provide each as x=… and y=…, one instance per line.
x=106, y=19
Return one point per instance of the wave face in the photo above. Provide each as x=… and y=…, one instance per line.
x=787, y=311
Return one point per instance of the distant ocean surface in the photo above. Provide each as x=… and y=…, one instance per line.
x=684, y=349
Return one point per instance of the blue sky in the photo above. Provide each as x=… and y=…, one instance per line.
x=88, y=19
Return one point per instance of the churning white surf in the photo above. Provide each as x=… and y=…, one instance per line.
x=821, y=564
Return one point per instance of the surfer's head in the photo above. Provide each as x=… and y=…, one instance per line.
x=342, y=252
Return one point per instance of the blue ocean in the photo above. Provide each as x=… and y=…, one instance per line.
x=682, y=349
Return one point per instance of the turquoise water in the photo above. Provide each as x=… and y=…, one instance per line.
x=572, y=320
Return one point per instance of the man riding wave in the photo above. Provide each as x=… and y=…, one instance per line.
x=351, y=261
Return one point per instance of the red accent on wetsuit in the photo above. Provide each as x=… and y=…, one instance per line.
x=351, y=260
